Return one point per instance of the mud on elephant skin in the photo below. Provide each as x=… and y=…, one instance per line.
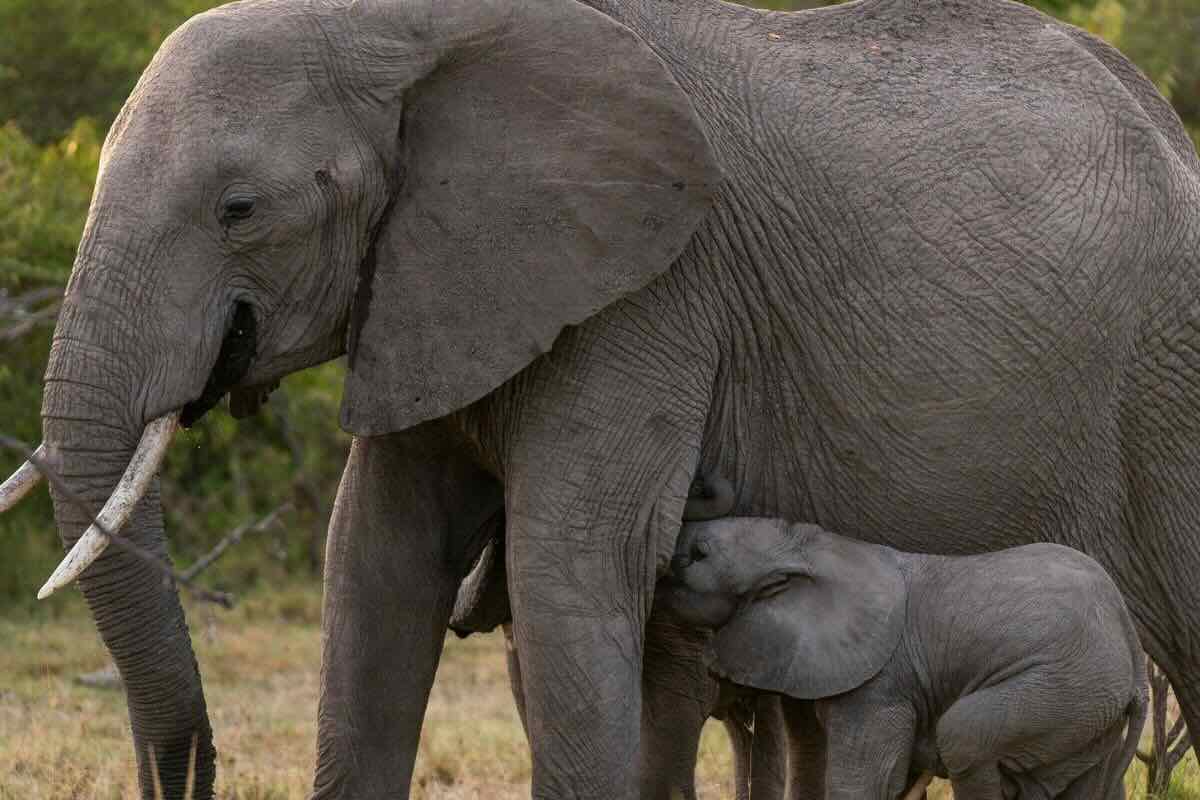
x=1019, y=669
x=578, y=252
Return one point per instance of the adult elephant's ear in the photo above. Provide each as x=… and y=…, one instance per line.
x=551, y=165
x=824, y=631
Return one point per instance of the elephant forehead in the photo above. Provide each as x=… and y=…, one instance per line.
x=242, y=36
x=231, y=62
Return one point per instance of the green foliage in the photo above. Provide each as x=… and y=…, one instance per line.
x=44, y=196
x=1060, y=8
x=1160, y=36
x=65, y=59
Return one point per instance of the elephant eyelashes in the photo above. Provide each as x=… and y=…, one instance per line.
x=239, y=206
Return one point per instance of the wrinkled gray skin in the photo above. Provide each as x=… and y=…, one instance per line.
x=678, y=692
x=1012, y=670
x=922, y=272
x=481, y=604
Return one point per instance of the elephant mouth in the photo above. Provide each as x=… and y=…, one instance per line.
x=237, y=352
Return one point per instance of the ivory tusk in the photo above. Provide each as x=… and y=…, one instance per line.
x=143, y=466
x=22, y=481
x=918, y=789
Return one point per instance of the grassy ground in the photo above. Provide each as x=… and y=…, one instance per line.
x=260, y=665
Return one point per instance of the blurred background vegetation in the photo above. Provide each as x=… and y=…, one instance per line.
x=65, y=68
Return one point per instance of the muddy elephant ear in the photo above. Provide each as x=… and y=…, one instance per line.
x=552, y=165
x=826, y=631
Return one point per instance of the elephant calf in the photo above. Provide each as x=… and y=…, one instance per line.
x=1012, y=673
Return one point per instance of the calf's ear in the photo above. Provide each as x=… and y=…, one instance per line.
x=824, y=632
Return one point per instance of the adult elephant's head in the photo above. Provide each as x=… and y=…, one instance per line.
x=435, y=187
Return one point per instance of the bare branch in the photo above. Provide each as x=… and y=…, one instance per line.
x=1178, y=729
x=232, y=538
x=170, y=577
x=21, y=310
x=23, y=302
x=1178, y=752
x=1168, y=747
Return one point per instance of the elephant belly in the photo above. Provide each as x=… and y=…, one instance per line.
x=926, y=450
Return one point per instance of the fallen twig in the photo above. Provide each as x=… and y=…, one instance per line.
x=170, y=577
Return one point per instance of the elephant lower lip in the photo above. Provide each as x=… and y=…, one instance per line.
x=233, y=362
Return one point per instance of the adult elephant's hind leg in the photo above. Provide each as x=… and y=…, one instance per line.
x=1157, y=561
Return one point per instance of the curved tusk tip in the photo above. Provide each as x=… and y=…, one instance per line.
x=61, y=576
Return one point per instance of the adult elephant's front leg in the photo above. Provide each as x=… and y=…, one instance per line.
x=590, y=524
x=578, y=619
x=406, y=510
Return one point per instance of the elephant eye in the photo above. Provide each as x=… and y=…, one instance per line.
x=700, y=551
x=238, y=206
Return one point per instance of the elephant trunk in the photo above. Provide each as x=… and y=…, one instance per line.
x=92, y=421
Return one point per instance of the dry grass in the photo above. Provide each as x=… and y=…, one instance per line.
x=61, y=741
x=260, y=663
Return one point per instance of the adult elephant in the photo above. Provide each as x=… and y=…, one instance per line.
x=921, y=272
